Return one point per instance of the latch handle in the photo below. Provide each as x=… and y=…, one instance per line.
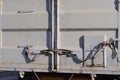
x=27, y=53
x=58, y=51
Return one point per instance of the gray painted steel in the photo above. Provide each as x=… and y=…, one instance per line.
x=76, y=25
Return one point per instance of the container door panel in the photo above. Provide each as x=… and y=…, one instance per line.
x=24, y=23
x=83, y=24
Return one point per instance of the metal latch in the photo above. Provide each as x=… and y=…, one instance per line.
x=55, y=56
x=58, y=51
x=27, y=53
x=62, y=52
x=110, y=43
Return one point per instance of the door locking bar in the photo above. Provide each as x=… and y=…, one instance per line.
x=110, y=43
x=58, y=51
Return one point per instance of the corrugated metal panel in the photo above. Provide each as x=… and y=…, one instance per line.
x=69, y=29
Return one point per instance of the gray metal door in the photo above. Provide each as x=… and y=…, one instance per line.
x=25, y=24
x=57, y=35
x=81, y=26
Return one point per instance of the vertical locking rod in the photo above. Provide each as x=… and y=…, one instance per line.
x=57, y=35
x=53, y=22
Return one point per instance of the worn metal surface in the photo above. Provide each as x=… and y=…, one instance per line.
x=77, y=26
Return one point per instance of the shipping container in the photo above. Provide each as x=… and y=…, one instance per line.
x=61, y=36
